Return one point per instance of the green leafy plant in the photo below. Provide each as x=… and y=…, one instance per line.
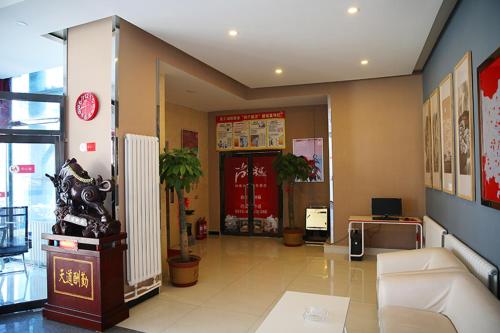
x=180, y=169
x=289, y=169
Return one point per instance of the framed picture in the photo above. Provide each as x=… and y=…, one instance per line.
x=464, y=128
x=312, y=150
x=189, y=139
x=426, y=119
x=488, y=77
x=447, y=134
x=436, y=139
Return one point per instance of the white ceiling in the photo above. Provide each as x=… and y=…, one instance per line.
x=185, y=89
x=313, y=41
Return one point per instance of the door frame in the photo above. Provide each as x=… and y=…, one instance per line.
x=249, y=155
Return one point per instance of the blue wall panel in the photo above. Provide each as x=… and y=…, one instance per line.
x=474, y=26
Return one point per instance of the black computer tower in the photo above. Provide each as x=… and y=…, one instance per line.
x=356, y=247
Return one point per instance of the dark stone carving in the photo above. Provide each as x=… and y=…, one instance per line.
x=80, y=203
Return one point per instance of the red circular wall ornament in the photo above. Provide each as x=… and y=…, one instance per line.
x=86, y=106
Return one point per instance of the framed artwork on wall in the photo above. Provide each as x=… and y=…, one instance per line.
x=436, y=140
x=312, y=150
x=189, y=139
x=488, y=77
x=447, y=134
x=464, y=128
x=426, y=119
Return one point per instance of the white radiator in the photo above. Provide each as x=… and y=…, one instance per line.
x=433, y=233
x=480, y=267
x=142, y=207
x=37, y=228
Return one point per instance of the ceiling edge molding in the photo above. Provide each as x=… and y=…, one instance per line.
x=437, y=28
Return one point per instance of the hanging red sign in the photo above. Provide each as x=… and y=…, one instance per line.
x=86, y=106
x=22, y=168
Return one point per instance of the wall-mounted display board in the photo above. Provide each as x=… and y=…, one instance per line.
x=255, y=131
x=447, y=135
x=464, y=128
x=489, y=129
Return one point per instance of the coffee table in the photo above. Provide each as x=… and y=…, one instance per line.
x=287, y=314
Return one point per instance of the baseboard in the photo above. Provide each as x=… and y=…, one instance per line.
x=339, y=249
x=214, y=233
x=143, y=297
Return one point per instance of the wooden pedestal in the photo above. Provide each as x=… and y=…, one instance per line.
x=85, y=281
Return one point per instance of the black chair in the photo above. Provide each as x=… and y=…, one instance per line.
x=14, y=240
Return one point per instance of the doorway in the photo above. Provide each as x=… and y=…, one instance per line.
x=251, y=202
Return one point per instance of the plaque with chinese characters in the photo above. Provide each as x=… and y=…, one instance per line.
x=73, y=277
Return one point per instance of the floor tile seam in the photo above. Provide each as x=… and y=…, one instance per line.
x=180, y=318
x=214, y=307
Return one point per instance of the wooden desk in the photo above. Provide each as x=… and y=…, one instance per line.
x=362, y=220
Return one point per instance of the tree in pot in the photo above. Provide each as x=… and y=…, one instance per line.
x=180, y=169
x=290, y=168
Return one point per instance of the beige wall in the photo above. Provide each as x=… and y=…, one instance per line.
x=377, y=151
x=301, y=122
x=89, y=70
x=178, y=117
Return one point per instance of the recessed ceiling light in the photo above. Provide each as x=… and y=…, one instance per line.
x=353, y=10
x=22, y=23
x=232, y=33
x=364, y=62
x=278, y=71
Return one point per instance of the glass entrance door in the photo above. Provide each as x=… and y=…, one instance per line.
x=250, y=201
x=27, y=203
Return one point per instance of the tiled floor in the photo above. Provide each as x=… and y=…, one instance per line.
x=242, y=278
x=17, y=287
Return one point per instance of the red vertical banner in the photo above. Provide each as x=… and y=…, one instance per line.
x=236, y=194
x=266, y=195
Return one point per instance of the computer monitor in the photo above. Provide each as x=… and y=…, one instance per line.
x=387, y=206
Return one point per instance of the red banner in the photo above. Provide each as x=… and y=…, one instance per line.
x=265, y=187
x=250, y=116
x=236, y=186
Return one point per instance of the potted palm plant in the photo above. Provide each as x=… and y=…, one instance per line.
x=290, y=168
x=180, y=169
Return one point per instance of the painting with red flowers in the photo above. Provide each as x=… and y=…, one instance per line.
x=489, y=126
x=312, y=150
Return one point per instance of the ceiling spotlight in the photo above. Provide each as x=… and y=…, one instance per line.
x=364, y=62
x=22, y=23
x=353, y=10
x=278, y=71
x=232, y=33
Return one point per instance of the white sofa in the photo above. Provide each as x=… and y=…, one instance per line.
x=436, y=301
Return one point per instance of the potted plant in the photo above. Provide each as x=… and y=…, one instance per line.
x=180, y=169
x=289, y=169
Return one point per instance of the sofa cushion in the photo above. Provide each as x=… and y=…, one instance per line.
x=398, y=319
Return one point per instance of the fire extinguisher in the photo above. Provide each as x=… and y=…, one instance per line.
x=201, y=228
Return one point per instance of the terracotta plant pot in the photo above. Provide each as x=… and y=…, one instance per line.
x=183, y=274
x=292, y=237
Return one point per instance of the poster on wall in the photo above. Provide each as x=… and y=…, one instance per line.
x=488, y=74
x=189, y=139
x=256, y=131
x=464, y=128
x=426, y=118
x=312, y=150
x=447, y=135
x=240, y=134
x=436, y=140
x=224, y=136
